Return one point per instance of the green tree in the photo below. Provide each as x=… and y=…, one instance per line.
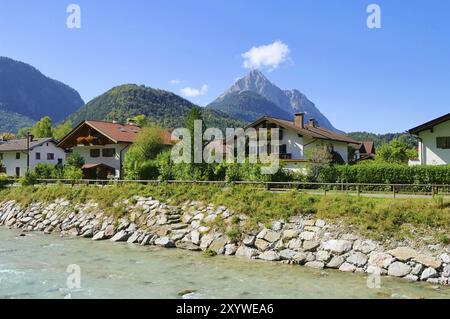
x=395, y=152
x=148, y=144
x=43, y=128
x=72, y=172
x=22, y=133
x=75, y=160
x=140, y=120
x=319, y=157
x=62, y=129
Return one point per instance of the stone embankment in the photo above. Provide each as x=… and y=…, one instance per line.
x=194, y=226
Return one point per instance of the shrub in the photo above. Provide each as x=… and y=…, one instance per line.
x=73, y=173
x=45, y=171
x=386, y=173
x=4, y=181
x=30, y=178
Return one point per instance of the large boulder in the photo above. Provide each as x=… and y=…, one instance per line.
x=310, y=245
x=358, y=259
x=269, y=255
x=338, y=246
x=399, y=269
x=120, y=236
x=428, y=273
x=364, y=246
x=336, y=262
x=315, y=264
x=380, y=259
x=247, y=252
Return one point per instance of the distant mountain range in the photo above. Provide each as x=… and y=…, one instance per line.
x=26, y=95
x=165, y=108
x=254, y=96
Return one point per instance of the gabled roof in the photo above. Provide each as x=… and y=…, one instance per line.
x=307, y=130
x=369, y=147
x=21, y=144
x=428, y=125
x=116, y=132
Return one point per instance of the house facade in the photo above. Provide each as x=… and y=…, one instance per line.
x=103, y=146
x=298, y=139
x=434, y=141
x=17, y=156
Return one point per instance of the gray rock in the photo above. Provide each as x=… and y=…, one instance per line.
x=310, y=245
x=306, y=235
x=109, y=231
x=323, y=256
x=187, y=246
x=417, y=270
x=446, y=271
x=269, y=256
x=347, y=267
x=230, y=249
x=290, y=234
x=295, y=244
x=358, y=259
x=277, y=226
x=315, y=264
x=428, y=273
x=445, y=258
x=320, y=223
x=336, y=262
x=287, y=254
x=300, y=258
x=350, y=237
x=206, y=241
x=434, y=281
x=249, y=240
x=398, y=269
x=134, y=237
x=99, y=236
x=120, y=236
x=247, y=252
x=195, y=237
x=380, y=259
x=218, y=245
x=261, y=244
x=364, y=246
x=271, y=236
x=338, y=246
x=164, y=242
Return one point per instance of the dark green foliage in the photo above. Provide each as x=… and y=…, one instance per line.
x=166, y=109
x=380, y=139
x=75, y=160
x=248, y=106
x=30, y=95
x=386, y=173
x=30, y=178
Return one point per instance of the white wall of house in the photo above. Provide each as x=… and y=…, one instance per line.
x=114, y=162
x=429, y=154
x=10, y=162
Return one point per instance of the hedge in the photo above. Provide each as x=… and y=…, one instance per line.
x=386, y=173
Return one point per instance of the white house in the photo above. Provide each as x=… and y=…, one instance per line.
x=103, y=146
x=434, y=141
x=296, y=138
x=16, y=157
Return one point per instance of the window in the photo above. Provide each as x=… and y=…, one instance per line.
x=443, y=142
x=38, y=156
x=50, y=156
x=109, y=152
x=95, y=152
x=283, y=149
x=17, y=155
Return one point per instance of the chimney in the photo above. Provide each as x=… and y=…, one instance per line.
x=312, y=123
x=298, y=119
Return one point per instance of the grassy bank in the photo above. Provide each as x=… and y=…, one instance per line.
x=375, y=217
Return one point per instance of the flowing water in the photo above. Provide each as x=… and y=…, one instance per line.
x=35, y=266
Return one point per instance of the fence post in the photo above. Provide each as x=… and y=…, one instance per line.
x=358, y=191
x=433, y=190
x=268, y=186
x=393, y=190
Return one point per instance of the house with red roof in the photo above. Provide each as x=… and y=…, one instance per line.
x=103, y=146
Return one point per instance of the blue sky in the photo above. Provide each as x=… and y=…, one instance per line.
x=378, y=80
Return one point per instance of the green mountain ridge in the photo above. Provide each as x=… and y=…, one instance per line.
x=165, y=108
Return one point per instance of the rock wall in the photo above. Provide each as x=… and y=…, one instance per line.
x=300, y=240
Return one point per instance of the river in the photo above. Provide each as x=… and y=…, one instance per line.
x=36, y=266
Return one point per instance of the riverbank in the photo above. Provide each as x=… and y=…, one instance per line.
x=295, y=237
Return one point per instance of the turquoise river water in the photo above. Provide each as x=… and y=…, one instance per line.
x=35, y=266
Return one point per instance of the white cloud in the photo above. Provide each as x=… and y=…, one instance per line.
x=192, y=92
x=175, y=81
x=270, y=56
